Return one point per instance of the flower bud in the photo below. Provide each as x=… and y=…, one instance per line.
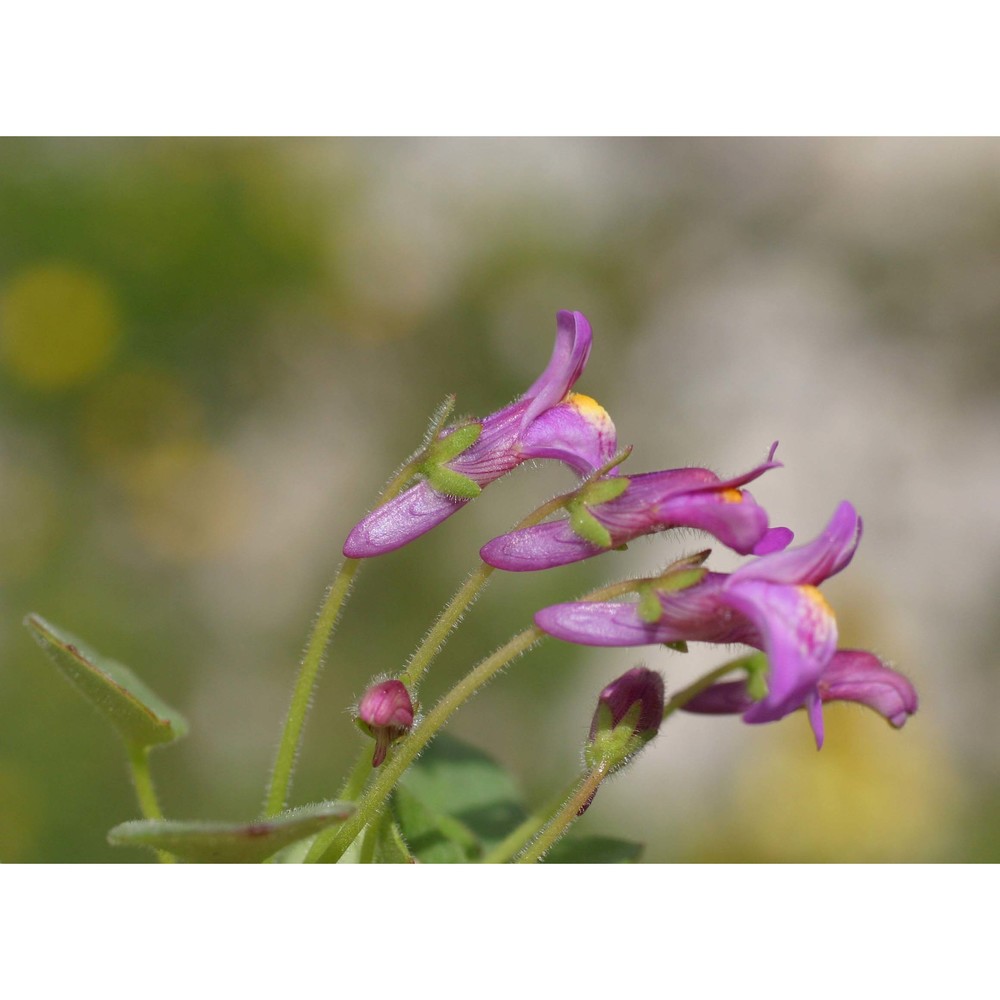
x=385, y=712
x=628, y=716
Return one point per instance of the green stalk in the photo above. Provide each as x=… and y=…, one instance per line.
x=145, y=790
x=567, y=815
x=312, y=662
x=518, y=838
x=305, y=683
x=683, y=696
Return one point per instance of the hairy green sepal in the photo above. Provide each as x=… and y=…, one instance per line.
x=614, y=746
x=582, y=521
x=443, y=450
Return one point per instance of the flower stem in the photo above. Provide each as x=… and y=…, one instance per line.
x=584, y=791
x=284, y=764
x=683, y=696
x=145, y=790
x=449, y=618
x=435, y=639
x=522, y=835
x=358, y=778
x=312, y=662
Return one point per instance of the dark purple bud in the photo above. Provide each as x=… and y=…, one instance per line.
x=640, y=687
x=628, y=716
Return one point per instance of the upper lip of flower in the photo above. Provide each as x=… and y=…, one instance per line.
x=653, y=501
x=507, y=438
x=771, y=603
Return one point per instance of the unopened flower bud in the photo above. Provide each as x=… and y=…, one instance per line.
x=628, y=716
x=385, y=712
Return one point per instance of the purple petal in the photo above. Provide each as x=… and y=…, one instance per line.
x=774, y=540
x=732, y=698
x=636, y=685
x=539, y=547
x=855, y=675
x=799, y=634
x=814, y=562
x=597, y=624
x=727, y=698
x=698, y=614
x=732, y=516
x=814, y=706
x=578, y=432
x=392, y=525
x=653, y=501
x=494, y=453
x=569, y=357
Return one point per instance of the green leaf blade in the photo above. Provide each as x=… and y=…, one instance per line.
x=594, y=851
x=230, y=843
x=141, y=717
x=455, y=803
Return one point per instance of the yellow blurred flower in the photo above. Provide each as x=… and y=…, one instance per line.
x=59, y=325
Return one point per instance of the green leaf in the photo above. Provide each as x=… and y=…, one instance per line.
x=594, y=851
x=392, y=849
x=241, y=843
x=458, y=795
x=426, y=833
x=140, y=716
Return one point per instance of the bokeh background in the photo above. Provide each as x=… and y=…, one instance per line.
x=213, y=354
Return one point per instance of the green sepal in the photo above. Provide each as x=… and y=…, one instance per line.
x=603, y=490
x=678, y=647
x=451, y=483
x=679, y=579
x=236, y=843
x=587, y=526
x=140, y=716
x=649, y=608
x=614, y=747
x=756, y=668
x=444, y=449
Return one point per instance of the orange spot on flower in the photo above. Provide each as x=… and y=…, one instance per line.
x=589, y=408
x=816, y=598
x=731, y=496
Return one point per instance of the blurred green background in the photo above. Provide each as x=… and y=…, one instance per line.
x=213, y=354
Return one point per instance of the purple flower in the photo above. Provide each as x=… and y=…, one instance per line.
x=772, y=603
x=548, y=421
x=851, y=675
x=610, y=513
x=385, y=712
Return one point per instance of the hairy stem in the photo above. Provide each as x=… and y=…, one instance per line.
x=584, y=791
x=312, y=662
